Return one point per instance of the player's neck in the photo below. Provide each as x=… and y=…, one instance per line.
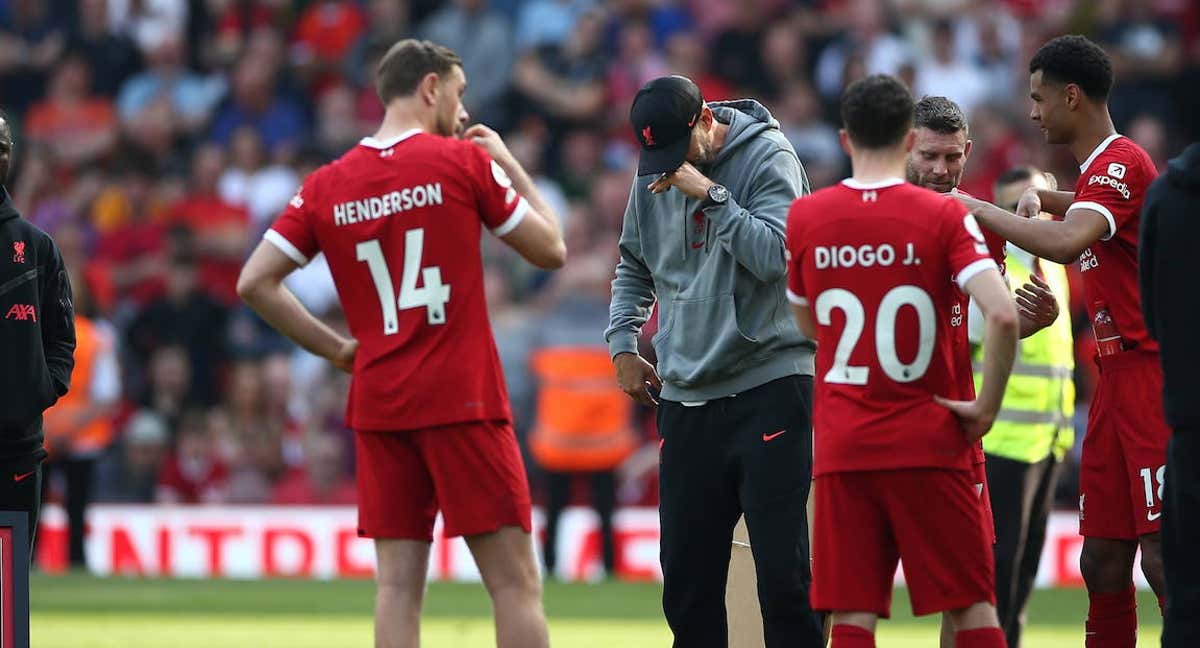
x=876, y=166
x=400, y=118
x=1090, y=135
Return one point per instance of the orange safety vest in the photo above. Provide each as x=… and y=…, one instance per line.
x=58, y=421
x=583, y=418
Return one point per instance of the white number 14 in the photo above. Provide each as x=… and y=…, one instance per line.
x=433, y=294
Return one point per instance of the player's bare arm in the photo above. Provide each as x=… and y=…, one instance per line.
x=999, y=350
x=261, y=286
x=1036, y=200
x=1058, y=241
x=538, y=237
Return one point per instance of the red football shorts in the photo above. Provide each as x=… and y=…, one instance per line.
x=928, y=519
x=472, y=472
x=979, y=472
x=1124, y=450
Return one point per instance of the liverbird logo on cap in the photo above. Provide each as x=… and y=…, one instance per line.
x=648, y=136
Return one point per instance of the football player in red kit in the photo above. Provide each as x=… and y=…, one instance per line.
x=1121, y=474
x=868, y=269
x=399, y=219
x=940, y=151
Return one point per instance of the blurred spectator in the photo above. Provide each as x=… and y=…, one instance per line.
x=565, y=82
x=738, y=49
x=190, y=97
x=1150, y=134
x=113, y=55
x=543, y=23
x=79, y=427
x=221, y=230
x=148, y=22
x=868, y=43
x=78, y=128
x=31, y=43
x=132, y=241
x=193, y=473
x=325, y=32
x=323, y=480
x=250, y=181
x=129, y=472
x=337, y=127
x=636, y=64
x=235, y=20
x=815, y=141
x=1147, y=56
x=687, y=56
x=186, y=317
x=995, y=60
x=255, y=103
x=785, y=60
x=947, y=74
x=483, y=39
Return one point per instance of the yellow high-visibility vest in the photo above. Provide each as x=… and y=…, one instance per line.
x=1035, y=417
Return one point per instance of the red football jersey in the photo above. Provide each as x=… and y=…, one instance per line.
x=399, y=223
x=878, y=264
x=1113, y=181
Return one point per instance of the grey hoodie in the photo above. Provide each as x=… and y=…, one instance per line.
x=719, y=275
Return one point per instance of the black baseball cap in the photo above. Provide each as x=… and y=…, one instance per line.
x=663, y=115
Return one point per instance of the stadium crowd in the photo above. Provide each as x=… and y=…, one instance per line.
x=160, y=138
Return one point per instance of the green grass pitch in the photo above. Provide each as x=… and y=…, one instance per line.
x=81, y=611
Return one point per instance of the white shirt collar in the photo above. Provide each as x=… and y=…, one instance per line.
x=1097, y=151
x=867, y=186
x=387, y=144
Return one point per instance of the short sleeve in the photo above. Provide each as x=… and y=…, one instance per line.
x=1104, y=188
x=966, y=248
x=500, y=206
x=795, y=254
x=293, y=232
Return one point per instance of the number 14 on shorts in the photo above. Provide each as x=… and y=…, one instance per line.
x=1148, y=479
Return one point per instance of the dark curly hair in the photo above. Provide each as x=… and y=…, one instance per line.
x=1075, y=59
x=877, y=111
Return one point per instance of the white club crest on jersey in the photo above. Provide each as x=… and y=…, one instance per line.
x=870, y=196
x=387, y=152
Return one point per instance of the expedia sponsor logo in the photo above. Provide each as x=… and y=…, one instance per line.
x=1121, y=187
x=1088, y=260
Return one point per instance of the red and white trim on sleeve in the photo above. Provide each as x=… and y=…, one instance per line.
x=285, y=246
x=1095, y=206
x=514, y=219
x=973, y=269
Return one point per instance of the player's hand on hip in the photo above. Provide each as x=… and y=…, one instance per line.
x=1030, y=204
x=636, y=377
x=490, y=141
x=687, y=179
x=1037, y=303
x=976, y=420
x=344, y=358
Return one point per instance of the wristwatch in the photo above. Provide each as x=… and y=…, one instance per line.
x=717, y=195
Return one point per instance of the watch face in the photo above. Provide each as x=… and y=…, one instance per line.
x=718, y=193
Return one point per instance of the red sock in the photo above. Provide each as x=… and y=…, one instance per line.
x=980, y=638
x=1112, y=619
x=851, y=636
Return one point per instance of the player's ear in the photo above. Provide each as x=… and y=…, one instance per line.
x=967, y=150
x=706, y=117
x=909, y=140
x=427, y=89
x=1072, y=96
x=844, y=140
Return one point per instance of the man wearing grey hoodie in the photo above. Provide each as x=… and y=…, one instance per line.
x=703, y=235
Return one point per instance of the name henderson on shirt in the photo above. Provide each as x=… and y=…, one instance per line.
x=393, y=202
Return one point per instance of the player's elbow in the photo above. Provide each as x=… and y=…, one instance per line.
x=1003, y=319
x=250, y=285
x=553, y=257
